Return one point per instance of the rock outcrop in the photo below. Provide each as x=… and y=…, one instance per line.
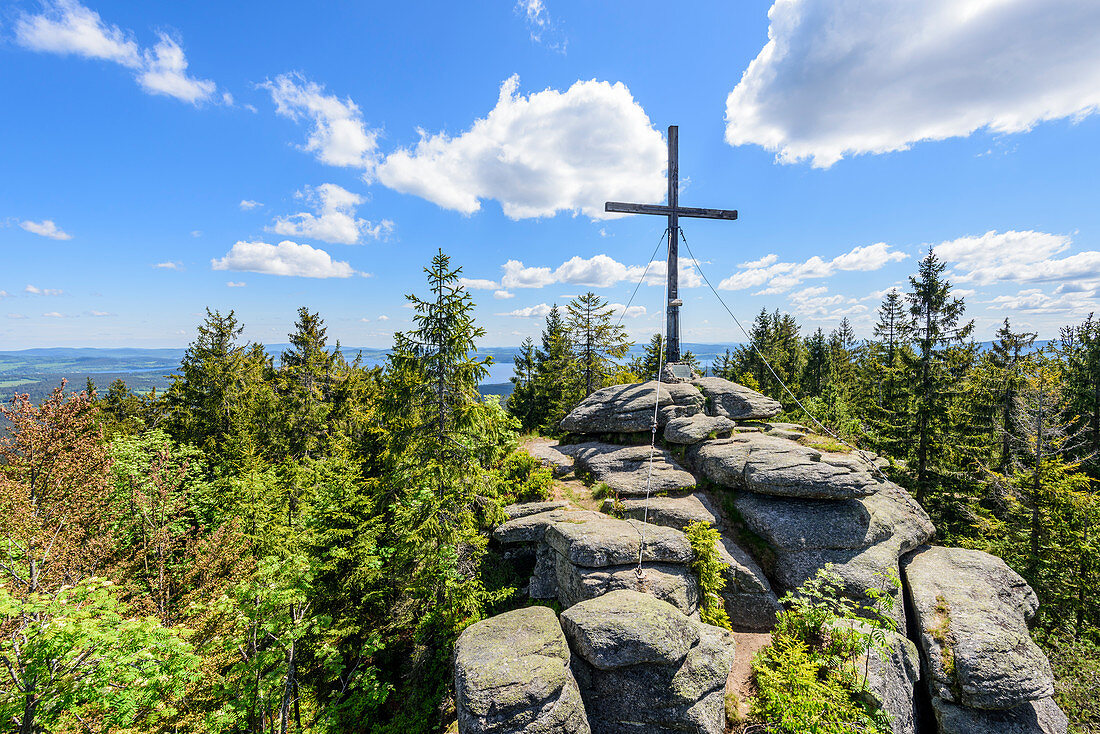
x=629, y=408
x=645, y=667
x=512, y=674
x=734, y=401
x=982, y=666
x=785, y=508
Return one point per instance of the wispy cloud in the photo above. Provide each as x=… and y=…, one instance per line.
x=67, y=27
x=333, y=218
x=45, y=228
x=339, y=136
x=779, y=277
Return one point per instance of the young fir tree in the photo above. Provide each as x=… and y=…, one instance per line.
x=1009, y=351
x=815, y=376
x=936, y=335
x=306, y=380
x=888, y=408
x=646, y=366
x=775, y=338
x=557, y=387
x=522, y=403
x=597, y=340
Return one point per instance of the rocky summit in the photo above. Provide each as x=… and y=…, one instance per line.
x=629, y=653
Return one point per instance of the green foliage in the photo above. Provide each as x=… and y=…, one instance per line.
x=708, y=571
x=522, y=478
x=1076, y=666
x=80, y=654
x=808, y=679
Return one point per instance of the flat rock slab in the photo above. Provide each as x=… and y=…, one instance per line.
x=546, y=451
x=628, y=628
x=599, y=541
x=531, y=528
x=734, y=401
x=776, y=466
x=629, y=408
x=626, y=468
x=673, y=512
x=1034, y=717
x=972, y=611
x=523, y=509
x=512, y=674
x=807, y=524
x=696, y=428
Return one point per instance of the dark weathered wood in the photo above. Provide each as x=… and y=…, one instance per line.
x=672, y=310
x=673, y=211
x=661, y=209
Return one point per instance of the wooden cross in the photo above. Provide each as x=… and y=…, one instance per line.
x=673, y=211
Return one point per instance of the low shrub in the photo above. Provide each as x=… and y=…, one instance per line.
x=522, y=478
x=708, y=570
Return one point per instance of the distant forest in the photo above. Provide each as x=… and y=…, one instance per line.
x=292, y=541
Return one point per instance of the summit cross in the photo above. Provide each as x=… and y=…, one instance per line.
x=673, y=211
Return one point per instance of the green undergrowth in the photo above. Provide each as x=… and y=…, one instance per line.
x=1076, y=666
x=522, y=478
x=708, y=571
x=810, y=679
x=824, y=443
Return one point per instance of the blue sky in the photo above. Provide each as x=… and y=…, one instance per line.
x=159, y=158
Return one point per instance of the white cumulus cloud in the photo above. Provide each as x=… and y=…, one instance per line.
x=285, y=258
x=1023, y=257
x=333, y=218
x=779, y=277
x=529, y=312
x=169, y=265
x=339, y=136
x=45, y=228
x=249, y=204
x=502, y=295
x=539, y=154
x=67, y=27
x=843, y=77
x=598, y=271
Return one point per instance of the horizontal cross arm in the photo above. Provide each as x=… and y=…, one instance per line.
x=683, y=211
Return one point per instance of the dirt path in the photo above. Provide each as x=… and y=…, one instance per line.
x=739, y=681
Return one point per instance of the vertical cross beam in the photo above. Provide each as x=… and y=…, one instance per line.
x=672, y=312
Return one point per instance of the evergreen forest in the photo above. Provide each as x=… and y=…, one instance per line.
x=293, y=542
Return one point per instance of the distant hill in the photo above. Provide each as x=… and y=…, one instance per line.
x=38, y=371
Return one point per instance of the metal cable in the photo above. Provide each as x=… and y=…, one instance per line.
x=858, y=452
x=642, y=280
x=652, y=428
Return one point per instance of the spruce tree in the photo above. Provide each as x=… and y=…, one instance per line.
x=1009, y=351
x=936, y=333
x=522, y=403
x=817, y=364
x=597, y=341
x=647, y=364
x=306, y=380
x=887, y=409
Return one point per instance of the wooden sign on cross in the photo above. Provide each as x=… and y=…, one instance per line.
x=673, y=211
